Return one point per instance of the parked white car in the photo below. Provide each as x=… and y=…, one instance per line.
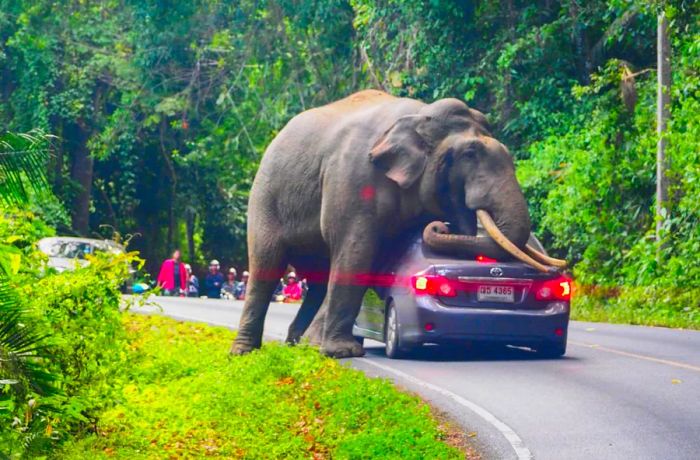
x=67, y=253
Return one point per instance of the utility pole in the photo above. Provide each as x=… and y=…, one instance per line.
x=663, y=115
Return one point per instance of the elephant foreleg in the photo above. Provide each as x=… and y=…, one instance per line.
x=344, y=302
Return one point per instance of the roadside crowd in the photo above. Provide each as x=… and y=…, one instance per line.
x=176, y=278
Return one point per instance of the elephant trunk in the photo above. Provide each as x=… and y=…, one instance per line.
x=507, y=207
x=508, y=227
x=438, y=237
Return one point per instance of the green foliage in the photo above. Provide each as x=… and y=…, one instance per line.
x=22, y=164
x=19, y=231
x=644, y=305
x=593, y=189
x=186, y=399
x=61, y=340
x=75, y=370
x=595, y=183
x=21, y=348
x=176, y=111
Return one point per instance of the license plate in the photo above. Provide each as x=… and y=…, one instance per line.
x=504, y=294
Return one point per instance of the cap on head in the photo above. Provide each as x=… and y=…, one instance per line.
x=291, y=275
x=232, y=271
x=245, y=273
x=214, y=263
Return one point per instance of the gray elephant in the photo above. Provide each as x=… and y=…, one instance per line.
x=340, y=179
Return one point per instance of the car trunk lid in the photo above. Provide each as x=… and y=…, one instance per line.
x=498, y=285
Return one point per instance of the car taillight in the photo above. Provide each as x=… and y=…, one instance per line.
x=432, y=285
x=485, y=260
x=556, y=289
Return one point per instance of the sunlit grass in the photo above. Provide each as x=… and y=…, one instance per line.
x=187, y=398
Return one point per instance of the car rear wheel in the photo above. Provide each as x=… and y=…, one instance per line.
x=551, y=350
x=392, y=337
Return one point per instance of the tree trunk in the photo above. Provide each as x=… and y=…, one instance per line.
x=190, y=216
x=507, y=106
x=172, y=177
x=82, y=167
x=81, y=173
x=56, y=165
x=598, y=52
x=663, y=114
x=579, y=38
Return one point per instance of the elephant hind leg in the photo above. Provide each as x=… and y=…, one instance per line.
x=307, y=311
x=267, y=265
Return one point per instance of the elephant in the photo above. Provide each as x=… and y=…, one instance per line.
x=340, y=179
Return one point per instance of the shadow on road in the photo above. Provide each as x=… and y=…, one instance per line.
x=446, y=353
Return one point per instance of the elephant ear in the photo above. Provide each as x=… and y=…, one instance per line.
x=402, y=152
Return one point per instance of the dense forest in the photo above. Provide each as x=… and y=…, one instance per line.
x=160, y=111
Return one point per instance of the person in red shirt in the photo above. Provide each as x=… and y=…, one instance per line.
x=173, y=275
x=292, y=291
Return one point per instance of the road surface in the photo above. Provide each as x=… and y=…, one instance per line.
x=621, y=392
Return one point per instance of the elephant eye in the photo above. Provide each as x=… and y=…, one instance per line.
x=470, y=153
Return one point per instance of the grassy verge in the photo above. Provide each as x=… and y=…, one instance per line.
x=188, y=399
x=648, y=306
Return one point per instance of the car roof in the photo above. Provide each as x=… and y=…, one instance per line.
x=65, y=239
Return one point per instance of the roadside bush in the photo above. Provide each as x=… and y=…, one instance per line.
x=80, y=312
x=643, y=305
x=78, y=342
x=19, y=232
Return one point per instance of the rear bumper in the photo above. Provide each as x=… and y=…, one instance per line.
x=451, y=324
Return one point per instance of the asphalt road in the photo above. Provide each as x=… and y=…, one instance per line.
x=621, y=392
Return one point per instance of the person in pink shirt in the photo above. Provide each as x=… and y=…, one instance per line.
x=173, y=275
x=292, y=291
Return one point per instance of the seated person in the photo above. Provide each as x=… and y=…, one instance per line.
x=277, y=296
x=241, y=286
x=192, y=282
x=292, y=291
x=228, y=290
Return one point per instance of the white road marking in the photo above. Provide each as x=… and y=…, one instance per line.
x=635, y=355
x=521, y=451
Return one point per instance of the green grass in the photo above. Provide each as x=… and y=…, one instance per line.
x=647, y=306
x=187, y=399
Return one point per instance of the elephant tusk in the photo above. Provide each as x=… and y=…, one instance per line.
x=545, y=259
x=493, y=231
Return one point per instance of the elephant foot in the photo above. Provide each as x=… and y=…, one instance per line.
x=342, y=348
x=242, y=348
x=293, y=338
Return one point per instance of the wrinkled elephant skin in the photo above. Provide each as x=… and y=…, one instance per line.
x=340, y=178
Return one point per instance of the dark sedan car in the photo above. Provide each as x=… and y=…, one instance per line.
x=427, y=297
